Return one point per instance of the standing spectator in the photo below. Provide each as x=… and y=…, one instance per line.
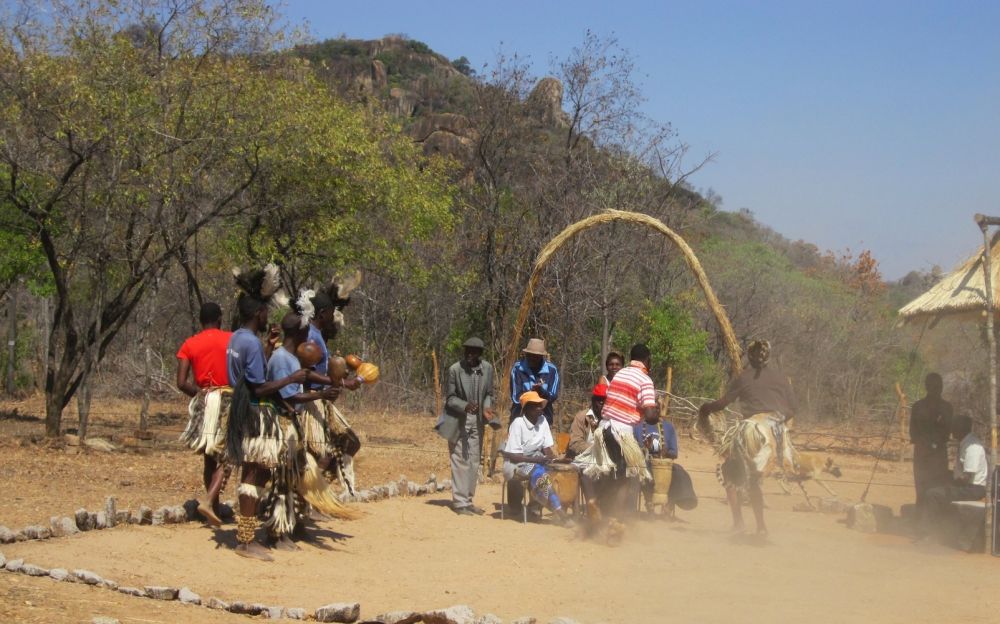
x=470, y=401
x=930, y=424
x=534, y=373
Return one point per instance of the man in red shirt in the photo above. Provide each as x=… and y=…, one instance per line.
x=630, y=400
x=202, y=375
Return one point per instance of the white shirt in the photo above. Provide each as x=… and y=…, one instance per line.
x=528, y=439
x=972, y=459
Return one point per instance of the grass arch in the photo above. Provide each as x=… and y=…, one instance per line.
x=728, y=336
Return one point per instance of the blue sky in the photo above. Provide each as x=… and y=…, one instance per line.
x=851, y=125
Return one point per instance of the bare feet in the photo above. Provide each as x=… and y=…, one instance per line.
x=206, y=511
x=253, y=550
x=285, y=543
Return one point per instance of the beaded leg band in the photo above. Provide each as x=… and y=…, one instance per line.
x=246, y=529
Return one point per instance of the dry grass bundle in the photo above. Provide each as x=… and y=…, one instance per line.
x=729, y=337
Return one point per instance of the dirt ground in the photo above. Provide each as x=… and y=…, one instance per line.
x=415, y=554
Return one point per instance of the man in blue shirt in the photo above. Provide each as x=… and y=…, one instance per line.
x=283, y=364
x=534, y=373
x=254, y=438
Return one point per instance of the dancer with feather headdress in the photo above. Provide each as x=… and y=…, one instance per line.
x=326, y=433
x=297, y=482
x=254, y=436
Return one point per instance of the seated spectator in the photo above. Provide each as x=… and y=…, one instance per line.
x=529, y=449
x=613, y=363
x=581, y=433
x=968, y=478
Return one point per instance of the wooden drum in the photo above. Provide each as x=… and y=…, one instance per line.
x=565, y=481
x=663, y=472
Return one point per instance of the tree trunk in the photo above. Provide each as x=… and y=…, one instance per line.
x=83, y=401
x=11, y=341
x=146, y=382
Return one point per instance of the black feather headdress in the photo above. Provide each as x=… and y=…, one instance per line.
x=336, y=294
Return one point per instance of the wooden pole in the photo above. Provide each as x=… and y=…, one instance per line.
x=901, y=415
x=984, y=225
x=438, y=402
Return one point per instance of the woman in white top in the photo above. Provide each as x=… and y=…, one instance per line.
x=529, y=449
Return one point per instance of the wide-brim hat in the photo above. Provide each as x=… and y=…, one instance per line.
x=474, y=343
x=532, y=397
x=536, y=346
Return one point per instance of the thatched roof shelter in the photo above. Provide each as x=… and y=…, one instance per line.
x=960, y=293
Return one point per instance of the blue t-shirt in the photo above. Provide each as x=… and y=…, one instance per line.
x=669, y=440
x=321, y=367
x=245, y=355
x=522, y=378
x=281, y=365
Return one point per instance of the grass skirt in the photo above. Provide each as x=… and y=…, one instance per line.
x=208, y=419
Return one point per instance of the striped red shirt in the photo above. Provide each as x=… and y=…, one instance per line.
x=629, y=392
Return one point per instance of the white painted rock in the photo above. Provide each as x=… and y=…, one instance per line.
x=35, y=532
x=58, y=574
x=84, y=520
x=63, y=526
x=458, y=614
x=6, y=535
x=87, y=577
x=160, y=592
x=100, y=444
x=489, y=618
x=109, y=584
x=296, y=613
x=159, y=516
x=132, y=591
x=398, y=617
x=346, y=612
x=187, y=596
x=111, y=510
x=14, y=565
x=525, y=620
x=216, y=603
x=101, y=520
x=100, y=619
x=562, y=620
x=32, y=570
x=274, y=613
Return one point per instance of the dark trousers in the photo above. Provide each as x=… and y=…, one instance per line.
x=937, y=500
x=930, y=470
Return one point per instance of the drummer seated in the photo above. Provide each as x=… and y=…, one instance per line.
x=528, y=452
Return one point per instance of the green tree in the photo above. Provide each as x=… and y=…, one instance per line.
x=125, y=128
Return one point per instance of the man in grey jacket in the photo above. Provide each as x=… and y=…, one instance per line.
x=470, y=401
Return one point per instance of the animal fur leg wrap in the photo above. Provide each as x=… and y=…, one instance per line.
x=246, y=529
x=249, y=489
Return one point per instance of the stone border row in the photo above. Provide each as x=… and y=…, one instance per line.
x=345, y=612
x=111, y=516
x=348, y=613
